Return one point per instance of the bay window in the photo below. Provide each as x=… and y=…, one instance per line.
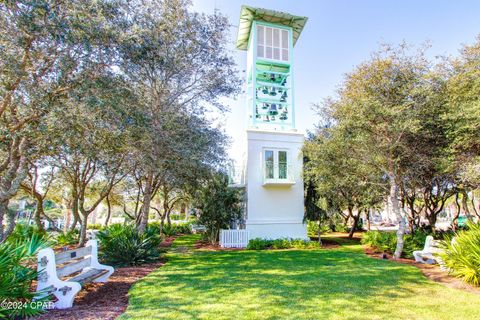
x=275, y=165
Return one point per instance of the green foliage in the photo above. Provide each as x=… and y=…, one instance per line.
x=67, y=238
x=335, y=284
x=175, y=216
x=340, y=227
x=312, y=228
x=18, y=270
x=122, y=244
x=387, y=241
x=172, y=229
x=284, y=243
x=184, y=228
x=23, y=232
x=95, y=226
x=462, y=258
x=219, y=205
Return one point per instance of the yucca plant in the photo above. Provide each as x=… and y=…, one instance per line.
x=67, y=238
x=124, y=245
x=18, y=270
x=170, y=230
x=24, y=232
x=462, y=257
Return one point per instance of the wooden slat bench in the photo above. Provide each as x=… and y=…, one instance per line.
x=64, y=273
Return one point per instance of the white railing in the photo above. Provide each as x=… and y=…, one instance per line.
x=236, y=175
x=234, y=238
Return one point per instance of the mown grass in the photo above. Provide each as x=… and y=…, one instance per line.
x=338, y=283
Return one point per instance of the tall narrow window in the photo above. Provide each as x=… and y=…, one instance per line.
x=272, y=43
x=284, y=45
x=261, y=41
x=282, y=164
x=276, y=164
x=269, y=164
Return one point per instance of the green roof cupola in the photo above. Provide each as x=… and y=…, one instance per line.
x=269, y=37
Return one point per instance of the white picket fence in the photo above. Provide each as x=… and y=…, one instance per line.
x=234, y=238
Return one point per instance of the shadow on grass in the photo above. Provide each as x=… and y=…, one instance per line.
x=289, y=284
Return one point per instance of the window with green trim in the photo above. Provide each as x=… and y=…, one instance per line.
x=272, y=43
x=276, y=164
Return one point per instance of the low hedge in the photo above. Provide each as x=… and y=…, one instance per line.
x=284, y=243
x=387, y=241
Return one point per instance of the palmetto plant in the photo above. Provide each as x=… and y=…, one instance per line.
x=122, y=244
x=17, y=271
x=462, y=256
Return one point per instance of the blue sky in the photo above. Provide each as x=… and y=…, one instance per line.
x=339, y=35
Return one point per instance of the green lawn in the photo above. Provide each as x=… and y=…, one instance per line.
x=339, y=283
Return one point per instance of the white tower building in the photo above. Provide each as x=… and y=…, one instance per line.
x=274, y=161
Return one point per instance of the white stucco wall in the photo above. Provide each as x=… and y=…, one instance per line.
x=274, y=211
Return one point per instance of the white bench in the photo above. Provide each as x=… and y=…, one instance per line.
x=428, y=254
x=80, y=264
x=197, y=228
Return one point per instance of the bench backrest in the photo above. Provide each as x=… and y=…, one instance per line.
x=428, y=243
x=72, y=261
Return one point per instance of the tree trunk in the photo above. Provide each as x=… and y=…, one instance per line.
x=10, y=222
x=162, y=222
x=109, y=211
x=38, y=213
x=465, y=203
x=3, y=213
x=83, y=230
x=457, y=214
x=473, y=206
x=147, y=197
x=67, y=216
x=432, y=219
x=413, y=214
x=396, y=209
x=367, y=213
x=319, y=232
x=354, y=226
x=76, y=215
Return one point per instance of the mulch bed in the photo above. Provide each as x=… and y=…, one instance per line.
x=167, y=242
x=205, y=245
x=431, y=271
x=105, y=301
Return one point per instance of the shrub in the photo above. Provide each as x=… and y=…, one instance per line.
x=304, y=244
x=23, y=232
x=340, y=227
x=259, y=244
x=219, y=205
x=175, y=216
x=387, y=241
x=184, y=228
x=312, y=229
x=95, y=226
x=284, y=243
x=173, y=229
x=281, y=244
x=122, y=244
x=463, y=257
x=18, y=270
x=170, y=230
x=67, y=238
